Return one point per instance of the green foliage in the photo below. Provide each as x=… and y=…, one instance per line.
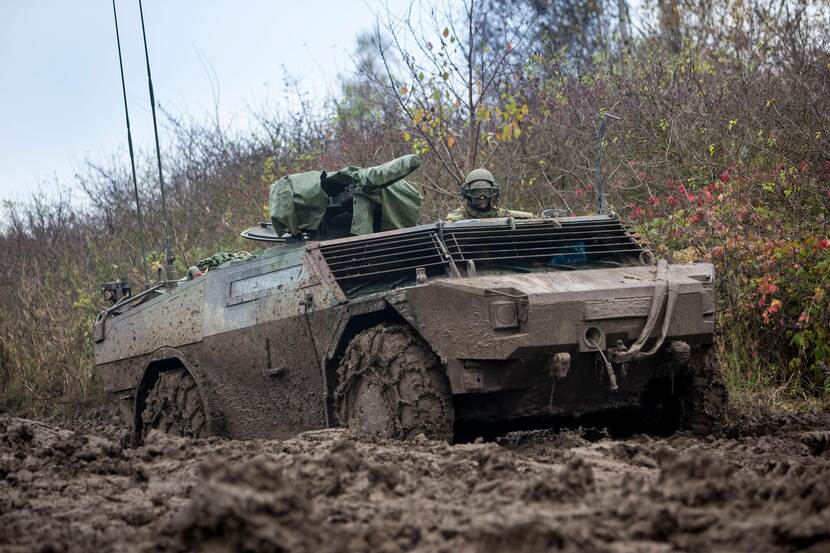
x=774, y=270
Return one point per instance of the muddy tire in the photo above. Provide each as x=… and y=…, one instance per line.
x=704, y=398
x=696, y=400
x=174, y=406
x=391, y=385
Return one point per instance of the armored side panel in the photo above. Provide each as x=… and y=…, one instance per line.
x=243, y=331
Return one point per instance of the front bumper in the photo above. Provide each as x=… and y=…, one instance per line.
x=502, y=332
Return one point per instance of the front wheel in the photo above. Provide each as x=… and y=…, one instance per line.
x=391, y=385
x=704, y=400
x=695, y=399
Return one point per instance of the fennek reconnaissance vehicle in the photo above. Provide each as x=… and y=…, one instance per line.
x=397, y=330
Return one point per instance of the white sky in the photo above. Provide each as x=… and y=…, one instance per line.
x=60, y=92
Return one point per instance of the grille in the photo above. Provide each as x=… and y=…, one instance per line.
x=368, y=263
x=358, y=262
x=561, y=243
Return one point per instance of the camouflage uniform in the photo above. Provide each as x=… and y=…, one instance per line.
x=464, y=212
x=480, y=191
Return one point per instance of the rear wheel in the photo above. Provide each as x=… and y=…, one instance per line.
x=391, y=385
x=174, y=406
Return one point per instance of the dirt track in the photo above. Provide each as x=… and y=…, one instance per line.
x=760, y=487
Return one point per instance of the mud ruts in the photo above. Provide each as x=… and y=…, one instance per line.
x=761, y=486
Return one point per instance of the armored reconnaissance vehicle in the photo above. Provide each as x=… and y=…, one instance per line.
x=398, y=330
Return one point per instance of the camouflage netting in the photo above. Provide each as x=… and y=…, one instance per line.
x=221, y=258
x=298, y=202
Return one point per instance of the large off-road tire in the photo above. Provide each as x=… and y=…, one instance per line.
x=695, y=399
x=704, y=398
x=391, y=385
x=174, y=405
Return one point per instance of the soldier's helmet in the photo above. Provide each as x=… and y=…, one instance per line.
x=480, y=183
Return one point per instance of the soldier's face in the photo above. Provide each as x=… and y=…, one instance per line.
x=480, y=204
x=480, y=199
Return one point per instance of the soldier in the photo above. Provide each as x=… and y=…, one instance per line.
x=480, y=192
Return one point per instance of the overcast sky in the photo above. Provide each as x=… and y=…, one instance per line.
x=60, y=92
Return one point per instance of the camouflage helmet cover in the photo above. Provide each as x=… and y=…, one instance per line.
x=483, y=180
x=480, y=189
x=480, y=178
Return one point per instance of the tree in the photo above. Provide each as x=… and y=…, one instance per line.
x=450, y=73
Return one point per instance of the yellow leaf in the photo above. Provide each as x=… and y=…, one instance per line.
x=406, y=136
x=450, y=141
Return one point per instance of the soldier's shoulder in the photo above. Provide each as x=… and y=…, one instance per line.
x=456, y=214
x=515, y=214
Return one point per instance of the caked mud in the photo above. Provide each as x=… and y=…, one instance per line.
x=756, y=487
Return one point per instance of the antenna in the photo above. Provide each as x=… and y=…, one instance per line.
x=170, y=271
x=132, y=155
x=602, y=200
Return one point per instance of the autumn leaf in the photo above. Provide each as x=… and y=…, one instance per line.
x=725, y=176
x=446, y=32
x=406, y=136
x=450, y=141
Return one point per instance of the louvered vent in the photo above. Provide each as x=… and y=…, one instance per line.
x=359, y=263
x=370, y=263
x=563, y=243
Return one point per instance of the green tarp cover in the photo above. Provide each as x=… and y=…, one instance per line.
x=298, y=202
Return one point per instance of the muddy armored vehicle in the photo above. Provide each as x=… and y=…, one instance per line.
x=413, y=330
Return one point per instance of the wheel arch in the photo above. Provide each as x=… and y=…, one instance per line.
x=168, y=359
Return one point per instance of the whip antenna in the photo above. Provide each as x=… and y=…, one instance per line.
x=132, y=155
x=168, y=248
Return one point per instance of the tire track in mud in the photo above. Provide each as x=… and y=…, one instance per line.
x=762, y=486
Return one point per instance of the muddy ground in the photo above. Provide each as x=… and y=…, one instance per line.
x=760, y=486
